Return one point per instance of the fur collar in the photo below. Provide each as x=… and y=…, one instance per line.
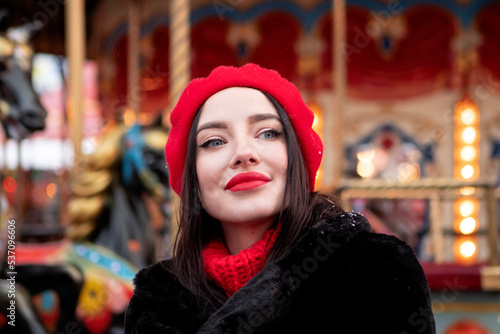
x=272, y=289
x=337, y=277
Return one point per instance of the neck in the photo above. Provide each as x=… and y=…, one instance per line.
x=240, y=236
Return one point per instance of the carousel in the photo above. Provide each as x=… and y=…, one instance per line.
x=406, y=98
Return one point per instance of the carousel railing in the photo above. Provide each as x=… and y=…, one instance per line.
x=435, y=190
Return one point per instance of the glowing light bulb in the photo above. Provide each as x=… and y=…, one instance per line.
x=467, y=249
x=467, y=191
x=129, y=117
x=51, y=190
x=317, y=180
x=467, y=172
x=365, y=168
x=408, y=172
x=9, y=184
x=469, y=135
x=467, y=208
x=468, y=153
x=468, y=225
x=468, y=116
x=315, y=121
x=366, y=155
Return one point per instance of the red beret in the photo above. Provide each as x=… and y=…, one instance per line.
x=252, y=76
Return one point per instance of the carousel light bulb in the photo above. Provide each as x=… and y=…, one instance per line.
x=469, y=135
x=467, y=191
x=51, y=190
x=468, y=225
x=9, y=184
x=468, y=153
x=129, y=117
x=467, y=208
x=468, y=116
x=467, y=249
x=315, y=121
x=366, y=155
x=467, y=172
x=365, y=169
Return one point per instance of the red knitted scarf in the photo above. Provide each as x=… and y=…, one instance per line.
x=231, y=272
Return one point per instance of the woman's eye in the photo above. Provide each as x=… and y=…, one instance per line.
x=212, y=143
x=269, y=134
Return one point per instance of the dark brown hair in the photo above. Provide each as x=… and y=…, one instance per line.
x=196, y=226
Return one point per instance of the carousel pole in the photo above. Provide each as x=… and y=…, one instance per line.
x=334, y=148
x=133, y=77
x=180, y=73
x=75, y=52
x=340, y=84
x=180, y=44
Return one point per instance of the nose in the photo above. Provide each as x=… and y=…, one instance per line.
x=245, y=154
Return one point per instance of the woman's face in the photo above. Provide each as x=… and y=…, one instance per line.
x=241, y=157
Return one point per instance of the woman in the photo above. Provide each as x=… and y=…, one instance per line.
x=258, y=251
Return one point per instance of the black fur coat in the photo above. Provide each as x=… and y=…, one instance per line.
x=337, y=278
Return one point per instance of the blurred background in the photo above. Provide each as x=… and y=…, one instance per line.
x=406, y=97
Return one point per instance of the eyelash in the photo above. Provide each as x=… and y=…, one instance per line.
x=208, y=143
x=275, y=132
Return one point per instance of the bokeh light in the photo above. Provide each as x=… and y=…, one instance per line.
x=467, y=208
x=469, y=135
x=9, y=184
x=468, y=153
x=467, y=172
x=365, y=169
x=468, y=116
x=51, y=190
x=468, y=225
x=467, y=249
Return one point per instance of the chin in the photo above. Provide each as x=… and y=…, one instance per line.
x=247, y=212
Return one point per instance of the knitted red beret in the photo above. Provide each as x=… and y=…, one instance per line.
x=252, y=76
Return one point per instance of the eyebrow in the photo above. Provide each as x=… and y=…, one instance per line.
x=260, y=117
x=251, y=119
x=211, y=125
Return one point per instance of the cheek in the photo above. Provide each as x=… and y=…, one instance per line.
x=208, y=176
x=202, y=175
x=279, y=159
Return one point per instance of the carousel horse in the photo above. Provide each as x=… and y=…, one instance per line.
x=85, y=279
x=120, y=194
x=21, y=112
x=79, y=286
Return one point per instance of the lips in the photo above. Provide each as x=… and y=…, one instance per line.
x=247, y=181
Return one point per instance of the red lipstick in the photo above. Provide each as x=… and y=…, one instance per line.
x=246, y=181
